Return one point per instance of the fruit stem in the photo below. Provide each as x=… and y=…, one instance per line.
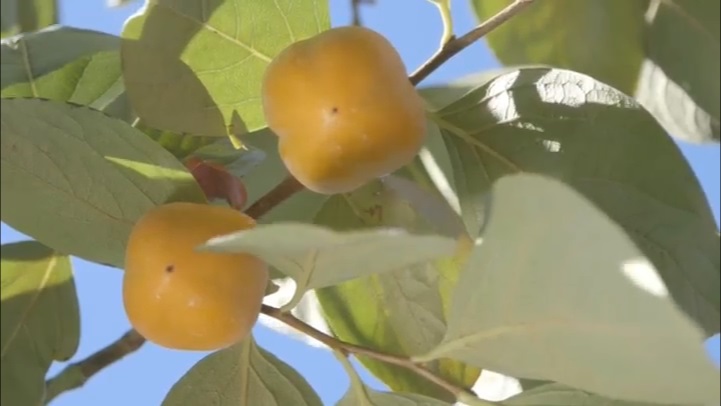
x=75, y=375
x=456, y=45
x=285, y=189
x=348, y=348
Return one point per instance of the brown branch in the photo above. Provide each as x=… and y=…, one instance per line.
x=456, y=45
x=285, y=189
x=347, y=348
x=75, y=375
x=355, y=6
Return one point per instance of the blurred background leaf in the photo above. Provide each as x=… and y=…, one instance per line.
x=18, y=16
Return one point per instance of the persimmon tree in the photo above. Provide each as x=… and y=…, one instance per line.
x=538, y=221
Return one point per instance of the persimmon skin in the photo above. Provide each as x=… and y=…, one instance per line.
x=181, y=298
x=343, y=109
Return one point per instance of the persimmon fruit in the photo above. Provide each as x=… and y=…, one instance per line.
x=182, y=298
x=343, y=109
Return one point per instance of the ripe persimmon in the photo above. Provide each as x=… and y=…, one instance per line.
x=343, y=109
x=182, y=298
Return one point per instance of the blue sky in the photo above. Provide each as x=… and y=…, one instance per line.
x=144, y=377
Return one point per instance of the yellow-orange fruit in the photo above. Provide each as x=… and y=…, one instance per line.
x=343, y=109
x=181, y=298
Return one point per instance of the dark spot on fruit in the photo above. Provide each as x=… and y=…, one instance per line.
x=334, y=110
x=170, y=268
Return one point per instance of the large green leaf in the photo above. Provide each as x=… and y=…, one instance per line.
x=18, y=16
x=401, y=311
x=316, y=256
x=86, y=72
x=679, y=82
x=196, y=68
x=601, y=38
x=244, y=374
x=555, y=290
x=601, y=142
x=40, y=319
x=666, y=53
x=77, y=180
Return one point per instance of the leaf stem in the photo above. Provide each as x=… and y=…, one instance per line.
x=444, y=8
x=75, y=375
x=285, y=189
x=454, y=46
x=348, y=348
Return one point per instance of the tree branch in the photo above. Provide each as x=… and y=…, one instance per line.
x=355, y=6
x=456, y=45
x=75, y=375
x=348, y=348
x=285, y=189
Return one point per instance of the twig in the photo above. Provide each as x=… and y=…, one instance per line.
x=75, y=375
x=285, y=189
x=347, y=348
x=454, y=46
x=355, y=10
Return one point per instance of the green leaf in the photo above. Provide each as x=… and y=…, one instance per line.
x=40, y=319
x=316, y=256
x=401, y=311
x=180, y=145
x=560, y=395
x=601, y=38
x=197, y=68
x=244, y=374
x=86, y=72
x=605, y=145
x=360, y=394
x=557, y=291
x=77, y=180
x=679, y=82
x=666, y=53
x=18, y=16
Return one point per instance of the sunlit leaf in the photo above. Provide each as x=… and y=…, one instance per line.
x=679, y=82
x=66, y=64
x=557, y=291
x=40, y=319
x=196, y=67
x=666, y=53
x=88, y=175
x=606, y=146
x=601, y=38
x=316, y=256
